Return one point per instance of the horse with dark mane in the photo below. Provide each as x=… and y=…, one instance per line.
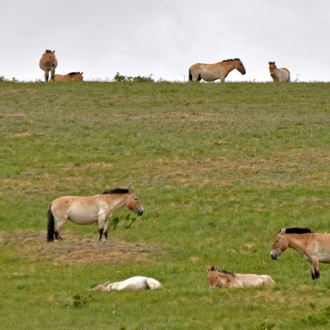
x=315, y=247
x=282, y=74
x=211, y=72
x=90, y=209
x=48, y=63
x=72, y=76
x=226, y=279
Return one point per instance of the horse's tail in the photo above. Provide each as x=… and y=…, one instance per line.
x=190, y=75
x=50, y=225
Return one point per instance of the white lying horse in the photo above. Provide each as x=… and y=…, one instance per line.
x=225, y=279
x=132, y=283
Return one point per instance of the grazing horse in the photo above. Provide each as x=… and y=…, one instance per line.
x=48, y=62
x=91, y=209
x=132, y=283
x=282, y=74
x=72, y=76
x=225, y=279
x=315, y=247
x=211, y=72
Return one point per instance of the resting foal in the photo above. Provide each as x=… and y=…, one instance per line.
x=132, y=283
x=225, y=279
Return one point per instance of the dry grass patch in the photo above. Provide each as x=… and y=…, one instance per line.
x=75, y=249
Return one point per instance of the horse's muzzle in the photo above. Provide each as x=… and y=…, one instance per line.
x=139, y=211
x=273, y=255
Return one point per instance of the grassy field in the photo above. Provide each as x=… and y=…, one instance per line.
x=219, y=169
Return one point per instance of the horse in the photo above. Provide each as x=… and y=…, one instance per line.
x=132, y=283
x=72, y=76
x=48, y=62
x=282, y=74
x=226, y=279
x=91, y=209
x=211, y=72
x=315, y=247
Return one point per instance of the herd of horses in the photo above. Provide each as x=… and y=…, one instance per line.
x=315, y=247
x=197, y=72
x=48, y=63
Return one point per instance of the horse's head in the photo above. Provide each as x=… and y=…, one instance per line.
x=134, y=204
x=213, y=276
x=50, y=58
x=272, y=67
x=76, y=76
x=280, y=245
x=239, y=66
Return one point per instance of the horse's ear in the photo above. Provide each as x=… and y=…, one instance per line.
x=81, y=72
x=130, y=190
x=208, y=268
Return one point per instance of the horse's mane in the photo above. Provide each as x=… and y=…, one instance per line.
x=216, y=269
x=116, y=191
x=297, y=230
x=232, y=59
x=73, y=73
x=226, y=272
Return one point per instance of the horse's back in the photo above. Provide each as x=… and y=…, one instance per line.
x=139, y=283
x=80, y=210
x=282, y=75
x=207, y=72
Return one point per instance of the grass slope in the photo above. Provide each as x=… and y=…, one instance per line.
x=219, y=168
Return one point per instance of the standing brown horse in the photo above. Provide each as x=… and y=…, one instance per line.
x=91, y=209
x=211, y=72
x=48, y=62
x=282, y=74
x=315, y=247
x=72, y=76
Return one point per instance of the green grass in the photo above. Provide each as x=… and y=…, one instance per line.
x=219, y=169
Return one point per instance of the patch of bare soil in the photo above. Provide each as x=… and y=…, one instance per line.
x=74, y=249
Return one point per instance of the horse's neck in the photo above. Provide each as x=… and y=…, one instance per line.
x=296, y=242
x=117, y=203
x=231, y=66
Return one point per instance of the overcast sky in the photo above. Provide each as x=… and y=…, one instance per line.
x=165, y=37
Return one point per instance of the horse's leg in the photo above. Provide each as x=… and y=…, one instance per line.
x=52, y=71
x=105, y=229
x=313, y=264
x=46, y=75
x=60, y=224
x=102, y=221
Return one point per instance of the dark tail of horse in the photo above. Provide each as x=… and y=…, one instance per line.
x=190, y=76
x=199, y=78
x=50, y=225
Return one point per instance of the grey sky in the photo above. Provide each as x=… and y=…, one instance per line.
x=165, y=37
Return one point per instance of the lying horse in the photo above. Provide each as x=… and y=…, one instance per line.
x=282, y=74
x=315, y=247
x=225, y=279
x=72, y=76
x=91, y=209
x=211, y=72
x=132, y=283
x=48, y=62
